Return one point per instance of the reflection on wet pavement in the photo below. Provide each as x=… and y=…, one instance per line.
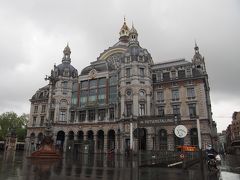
x=85, y=167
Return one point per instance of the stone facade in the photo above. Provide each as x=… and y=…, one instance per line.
x=99, y=110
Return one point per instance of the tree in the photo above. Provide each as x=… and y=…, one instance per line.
x=10, y=122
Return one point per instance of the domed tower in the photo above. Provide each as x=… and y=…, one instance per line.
x=135, y=79
x=63, y=89
x=124, y=32
x=198, y=60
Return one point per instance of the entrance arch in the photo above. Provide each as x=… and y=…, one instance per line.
x=162, y=135
x=60, y=139
x=80, y=136
x=70, y=135
x=90, y=142
x=194, y=136
x=90, y=135
x=100, y=140
x=141, y=135
x=111, y=139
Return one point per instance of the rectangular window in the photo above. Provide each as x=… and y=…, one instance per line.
x=173, y=74
x=34, y=121
x=83, y=97
x=93, y=83
x=128, y=72
x=102, y=82
x=35, y=109
x=166, y=76
x=175, y=95
x=192, y=110
x=84, y=84
x=113, y=80
x=141, y=72
x=129, y=110
x=52, y=115
x=181, y=74
x=141, y=109
x=92, y=95
x=72, y=116
x=176, y=109
x=64, y=87
x=161, y=111
x=160, y=96
x=154, y=78
x=82, y=116
x=74, y=98
x=62, y=116
x=188, y=72
x=42, y=121
x=101, y=95
x=43, y=108
x=190, y=93
x=111, y=113
x=91, y=115
x=101, y=114
x=112, y=94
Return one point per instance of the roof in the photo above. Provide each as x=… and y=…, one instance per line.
x=171, y=63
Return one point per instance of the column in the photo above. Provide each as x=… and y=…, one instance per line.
x=135, y=105
x=95, y=143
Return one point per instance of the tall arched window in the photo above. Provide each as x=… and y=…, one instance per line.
x=194, y=136
x=162, y=134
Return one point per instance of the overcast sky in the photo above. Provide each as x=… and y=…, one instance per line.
x=34, y=33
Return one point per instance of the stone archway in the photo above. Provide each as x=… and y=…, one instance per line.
x=100, y=141
x=60, y=140
x=39, y=139
x=162, y=137
x=194, y=136
x=89, y=146
x=141, y=135
x=70, y=135
x=80, y=136
x=111, y=139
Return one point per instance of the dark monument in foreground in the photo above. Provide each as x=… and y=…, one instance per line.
x=47, y=149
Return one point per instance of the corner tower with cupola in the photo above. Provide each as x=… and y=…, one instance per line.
x=63, y=90
x=135, y=79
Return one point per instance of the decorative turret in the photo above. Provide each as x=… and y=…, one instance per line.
x=198, y=59
x=66, y=55
x=65, y=69
x=133, y=36
x=124, y=32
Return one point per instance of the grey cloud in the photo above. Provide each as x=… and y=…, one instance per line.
x=166, y=28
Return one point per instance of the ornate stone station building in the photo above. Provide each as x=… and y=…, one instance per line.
x=122, y=101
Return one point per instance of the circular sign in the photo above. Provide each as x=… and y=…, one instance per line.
x=182, y=156
x=180, y=131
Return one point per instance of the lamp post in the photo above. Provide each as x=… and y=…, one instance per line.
x=200, y=148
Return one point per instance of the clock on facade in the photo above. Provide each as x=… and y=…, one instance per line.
x=180, y=131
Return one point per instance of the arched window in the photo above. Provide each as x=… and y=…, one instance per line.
x=162, y=134
x=194, y=136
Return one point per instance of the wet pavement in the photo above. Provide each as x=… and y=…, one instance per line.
x=15, y=166
x=230, y=168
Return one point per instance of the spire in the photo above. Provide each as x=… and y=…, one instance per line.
x=196, y=48
x=197, y=56
x=124, y=32
x=66, y=54
x=133, y=30
x=133, y=36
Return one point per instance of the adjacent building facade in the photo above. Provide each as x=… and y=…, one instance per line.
x=233, y=134
x=123, y=101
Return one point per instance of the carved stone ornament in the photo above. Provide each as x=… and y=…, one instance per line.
x=92, y=74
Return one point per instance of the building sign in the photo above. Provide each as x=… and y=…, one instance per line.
x=180, y=131
x=155, y=121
